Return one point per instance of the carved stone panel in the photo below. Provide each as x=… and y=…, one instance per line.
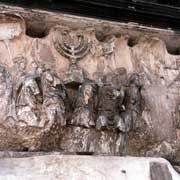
x=75, y=92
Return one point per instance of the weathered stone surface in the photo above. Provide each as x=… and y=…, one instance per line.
x=159, y=171
x=11, y=26
x=50, y=103
x=40, y=90
x=83, y=167
x=177, y=168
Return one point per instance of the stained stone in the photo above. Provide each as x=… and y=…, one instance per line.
x=11, y=27
x=75, y=93
x=72, y=167
x=83, y=140
x=159, y=171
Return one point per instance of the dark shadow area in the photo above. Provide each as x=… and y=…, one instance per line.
x=132, y=42
x=161, y=14
x=173, y=51
x=36, y=32
x=85, y=153
x=159, y=171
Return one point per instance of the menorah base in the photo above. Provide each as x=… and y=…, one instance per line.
x=74, y=74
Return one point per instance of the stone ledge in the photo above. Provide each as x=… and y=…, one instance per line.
x=73, y=167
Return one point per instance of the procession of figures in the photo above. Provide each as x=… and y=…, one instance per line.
x=40, y=99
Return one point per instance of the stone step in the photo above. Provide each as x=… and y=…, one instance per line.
x=74, y=167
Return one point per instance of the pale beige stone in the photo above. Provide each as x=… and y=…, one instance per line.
x=158, y=126
x=68, y=167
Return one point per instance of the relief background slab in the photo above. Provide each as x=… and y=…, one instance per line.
x=157, y=131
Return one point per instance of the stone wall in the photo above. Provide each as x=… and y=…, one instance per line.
x=85, y=90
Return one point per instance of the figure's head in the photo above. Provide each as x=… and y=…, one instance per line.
x=21, y=62
x=134, y=79
x=34, y=65
x=2, y=80
x=32, y=85
x=38, y=66
x=87, y=91
x=2, y=74
x=48, y=76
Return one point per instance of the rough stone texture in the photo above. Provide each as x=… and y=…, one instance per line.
x=177, y=168
x=156, y=131
x=159, y=171
x=50, y=101
x=10, y=27
x=83, y=167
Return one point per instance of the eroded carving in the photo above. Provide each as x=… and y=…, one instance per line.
x=19, y=71
x=107, y=106
x=75, y=74
x=6, y=93
x=28, y=102
x=73, y=45
x=133, y=100
x=54, y=94
x=109, y=46
x=98, y=122
x=32, y=85
x=83, y=114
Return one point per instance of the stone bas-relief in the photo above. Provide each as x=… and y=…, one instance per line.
x=39, y=103
x=74, y=46
x=75, y=91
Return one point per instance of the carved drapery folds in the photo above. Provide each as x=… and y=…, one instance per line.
x=73, y=113
x=101, y=114
x=6, y=92
x=83, y=114
x=88, y=89
x=39, y=97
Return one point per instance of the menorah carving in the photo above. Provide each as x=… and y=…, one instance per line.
x=72, y=45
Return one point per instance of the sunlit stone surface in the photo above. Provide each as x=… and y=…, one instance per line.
x=87, y=88
x=68, y=167
x=10, y=26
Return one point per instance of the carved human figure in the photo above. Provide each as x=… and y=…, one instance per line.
x=107, y=105
x=126, y=120
x=122, y=130
x=178, y=116
x=37, y=68
x=108, y=45
x=5, y=92
x=19, y=70
x=54, y=94
x=28, y=102
x=111, y=112
x=83, y=114
x=131, y=105
x=133, y=101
